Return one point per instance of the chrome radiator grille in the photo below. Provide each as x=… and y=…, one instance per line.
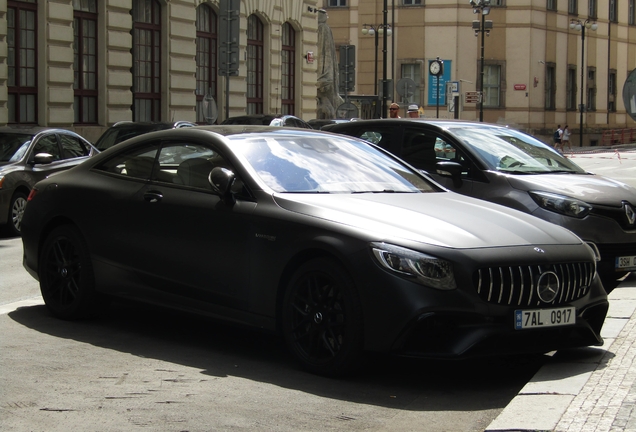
x=517, y=285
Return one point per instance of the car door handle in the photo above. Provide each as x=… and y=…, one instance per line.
x=153, y=196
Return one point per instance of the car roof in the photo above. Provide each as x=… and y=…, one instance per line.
x=32, y=129
x=151, y=125
x=251, y=119
x=442, y=123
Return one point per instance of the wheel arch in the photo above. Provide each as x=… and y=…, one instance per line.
x=292, y=265
x=49, y=227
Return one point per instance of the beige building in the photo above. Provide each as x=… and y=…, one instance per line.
x=532, y=58
x=86, y=64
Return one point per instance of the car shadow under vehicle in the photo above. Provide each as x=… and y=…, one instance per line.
x=221, y=350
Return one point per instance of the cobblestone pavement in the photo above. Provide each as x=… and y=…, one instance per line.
x=593, y=390
x=607, y=401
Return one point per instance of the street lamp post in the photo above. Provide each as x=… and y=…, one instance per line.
x=483, y=27
x=376, y=30
x=578, y=25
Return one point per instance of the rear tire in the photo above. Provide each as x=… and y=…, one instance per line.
x=66, y=275
x=322, y=318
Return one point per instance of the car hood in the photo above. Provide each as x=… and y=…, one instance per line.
x=444, y=219
x=591, y=188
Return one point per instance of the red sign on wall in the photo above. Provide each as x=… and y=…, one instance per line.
x=520, y=86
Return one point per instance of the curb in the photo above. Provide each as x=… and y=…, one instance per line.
x=580, y=386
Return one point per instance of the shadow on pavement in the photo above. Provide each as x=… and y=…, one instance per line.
x=222, y=350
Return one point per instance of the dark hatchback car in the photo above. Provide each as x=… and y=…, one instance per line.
x=121, y=131
x=509, y=167
x=268, y=120
x=333, y=242
x=27, y=155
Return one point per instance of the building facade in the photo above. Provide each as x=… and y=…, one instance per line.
x=87, y=64
x=534, y=74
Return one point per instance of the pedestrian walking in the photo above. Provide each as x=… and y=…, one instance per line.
x=565, y=138
x=413, y=111
x=558, y=134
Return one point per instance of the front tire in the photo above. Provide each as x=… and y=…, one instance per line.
x=322, y=318
x=66, y=275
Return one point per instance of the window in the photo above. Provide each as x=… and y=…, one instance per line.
x=337, y=3
x=613, y=10
x=497, y=2
x=631, y=12
x=550, y=86
x=492, y=86
x=146, y=60
x=592, y=7
x=22, y=61
x=573, y=7
x=412, y=2
x=414, y=72
x=72, y=147
x=591, y=89
x=48, y=144
x=85, y=61
x=206, y=72
x=254, y=65
x=571, y=89
x=551, y=5
x=611, y=91
x=288, y=72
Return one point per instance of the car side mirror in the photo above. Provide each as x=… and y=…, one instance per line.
x=222, y=180
x=452, y=170
x=43, y=158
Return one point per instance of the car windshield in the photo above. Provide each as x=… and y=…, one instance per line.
x=314, y=164
x=13, y=146
x=511, y=151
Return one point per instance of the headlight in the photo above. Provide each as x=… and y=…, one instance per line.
x=419, y=267
x=561, y=204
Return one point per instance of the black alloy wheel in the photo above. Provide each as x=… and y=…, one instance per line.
x=322, y=318
x=16, y=211
x=66, y=275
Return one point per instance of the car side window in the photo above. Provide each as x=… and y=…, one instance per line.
x=72, y=147
x=419, y=148
x=137, y=164
x=385, y=137
x=48, y=144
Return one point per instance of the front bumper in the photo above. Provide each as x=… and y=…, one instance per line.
x=449, y=335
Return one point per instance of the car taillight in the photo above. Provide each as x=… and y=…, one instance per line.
x=32, y=194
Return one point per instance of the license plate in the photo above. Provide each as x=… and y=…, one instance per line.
x=626, y=263
x=539, y=318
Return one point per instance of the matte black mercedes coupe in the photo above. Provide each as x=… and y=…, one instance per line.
x=328, y=239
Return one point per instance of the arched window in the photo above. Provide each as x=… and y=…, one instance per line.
x=146, y=60
x=288, y=66
x=206, y=61
x=254, y=65
x=85, y=60
x=22, y=61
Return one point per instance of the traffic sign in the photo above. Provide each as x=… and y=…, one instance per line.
x=472, y=97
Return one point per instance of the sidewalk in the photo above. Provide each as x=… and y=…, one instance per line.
x=584, y=390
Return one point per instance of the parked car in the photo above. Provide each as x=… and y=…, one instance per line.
x=330, y=240
x=121, y=131
x=509, y=167
x=268, y=120
x=27, y=155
